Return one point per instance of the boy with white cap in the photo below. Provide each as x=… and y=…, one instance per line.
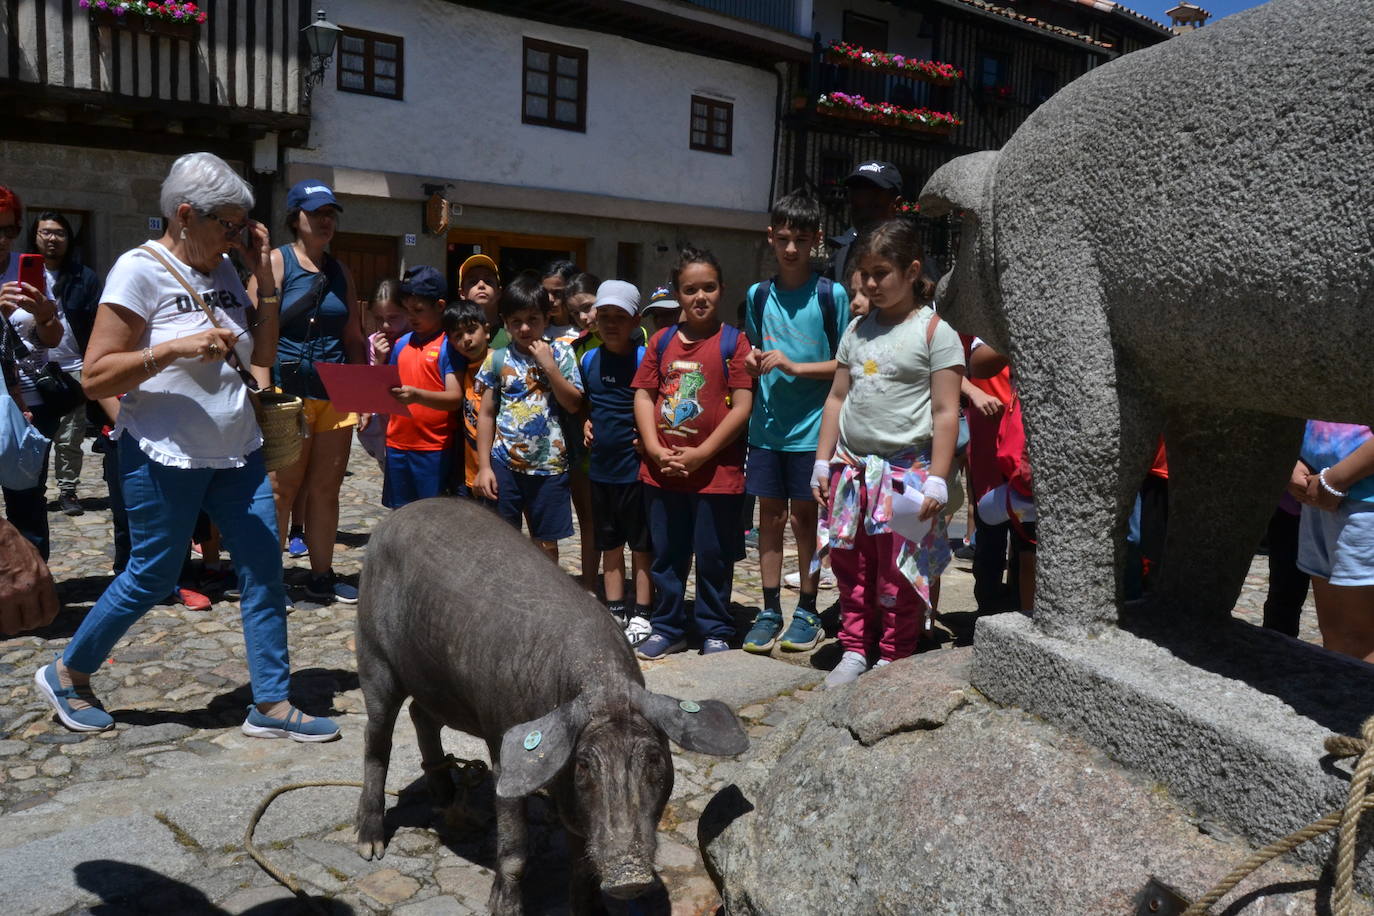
x=617, y=494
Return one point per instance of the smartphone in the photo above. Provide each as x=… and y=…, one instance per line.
x=246, y=238
x=31, y=272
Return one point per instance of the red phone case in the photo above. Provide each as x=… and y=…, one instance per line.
x=31, y=271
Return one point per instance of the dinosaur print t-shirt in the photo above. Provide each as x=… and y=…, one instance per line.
x=690, y=385
x=529, y=438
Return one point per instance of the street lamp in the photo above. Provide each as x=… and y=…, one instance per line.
x=320, y=37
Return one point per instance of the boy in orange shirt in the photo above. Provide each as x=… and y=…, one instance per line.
x=419, y=440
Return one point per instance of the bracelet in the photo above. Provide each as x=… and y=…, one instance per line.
x=1321, y=478
x=150, y=362
x=272, y=298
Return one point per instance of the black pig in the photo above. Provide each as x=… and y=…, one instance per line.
x=460, y=612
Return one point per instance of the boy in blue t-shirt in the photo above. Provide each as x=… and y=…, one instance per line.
x=617, y=494
x=794, y=322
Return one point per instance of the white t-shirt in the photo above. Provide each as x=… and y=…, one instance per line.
x=887, y=410
x=67, y=353
x=191, y=414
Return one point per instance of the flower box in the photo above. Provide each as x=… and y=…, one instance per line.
x=176, y=20
x=885, y=114
x=844, y=54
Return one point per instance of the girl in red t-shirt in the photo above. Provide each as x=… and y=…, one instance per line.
x=691, y=404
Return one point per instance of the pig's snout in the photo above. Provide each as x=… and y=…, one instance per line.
x=628, y=880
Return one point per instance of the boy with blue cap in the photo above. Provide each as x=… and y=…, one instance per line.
x=419, y=441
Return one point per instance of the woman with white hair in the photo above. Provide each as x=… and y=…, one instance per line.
x=187, y=437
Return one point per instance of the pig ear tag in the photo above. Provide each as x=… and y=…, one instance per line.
x=532, y=739
x=689, y=706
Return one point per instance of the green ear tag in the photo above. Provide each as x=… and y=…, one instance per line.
x=689, y=706
x=532, y=740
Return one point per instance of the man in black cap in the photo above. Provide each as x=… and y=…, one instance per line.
x=874, y=189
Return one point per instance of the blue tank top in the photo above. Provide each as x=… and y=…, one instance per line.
x=315, y=336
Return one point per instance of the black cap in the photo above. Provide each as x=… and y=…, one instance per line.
x=877, y=173
x=425, y=282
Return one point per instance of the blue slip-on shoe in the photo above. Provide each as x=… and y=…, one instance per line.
x=711, y=645
x=293, y=726
x=295, y=546
x=803, y=633
x=764, y=633
x=658, y=645
x=92, y=719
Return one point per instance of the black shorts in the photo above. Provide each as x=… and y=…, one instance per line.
x=619, y=518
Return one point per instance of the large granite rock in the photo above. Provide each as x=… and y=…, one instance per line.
x=1156, y=247
x=908, y=792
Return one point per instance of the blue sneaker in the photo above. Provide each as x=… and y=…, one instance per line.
x=803, y=633
x=295, y=546
x=711, y=645
x=91, y=719
x=764, y=633
x=329, y=588
x=293, y=726
x=658, y=645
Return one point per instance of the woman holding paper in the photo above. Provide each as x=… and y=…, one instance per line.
x=885, y=448
x=321, y=323
x=173, y=336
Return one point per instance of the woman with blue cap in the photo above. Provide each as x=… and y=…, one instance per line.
x=320, y=324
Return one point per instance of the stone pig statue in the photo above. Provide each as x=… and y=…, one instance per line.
x=461, y=613
x=1178, y=242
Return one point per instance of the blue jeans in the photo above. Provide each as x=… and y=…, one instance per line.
x=682, y=525
x=162, y=504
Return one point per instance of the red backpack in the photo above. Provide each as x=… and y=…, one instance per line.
x=1011, y=448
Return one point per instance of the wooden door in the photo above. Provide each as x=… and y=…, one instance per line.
x=369, y=258
x=512, y=251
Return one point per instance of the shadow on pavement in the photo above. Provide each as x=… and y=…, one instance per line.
x=131, y=890
x=312, y=690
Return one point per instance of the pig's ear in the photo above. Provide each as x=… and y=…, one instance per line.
x=707, y=727
x=963, y=184
x=533, y=753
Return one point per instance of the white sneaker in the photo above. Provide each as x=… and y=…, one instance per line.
x=852, y=664
x=793, y=580
x=638, y=630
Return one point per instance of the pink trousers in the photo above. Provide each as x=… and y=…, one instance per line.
x=877, y=603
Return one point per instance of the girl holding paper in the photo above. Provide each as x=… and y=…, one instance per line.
x=887, y=437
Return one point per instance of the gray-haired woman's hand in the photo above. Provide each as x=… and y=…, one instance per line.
x=206, y=346
x=256, y=246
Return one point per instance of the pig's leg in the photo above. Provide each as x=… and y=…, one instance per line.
x=510, y=857
x=437, y=776
x=1227, y=469
x=383, y=697
x=1090, y=441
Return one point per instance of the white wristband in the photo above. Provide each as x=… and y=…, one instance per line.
x=935, y=488
x=1321, y=479
x=819, y=471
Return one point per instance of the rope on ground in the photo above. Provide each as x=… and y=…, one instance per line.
x=1347, y=818
x=470, y=772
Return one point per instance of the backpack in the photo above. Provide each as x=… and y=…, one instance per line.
x=825, y=295
x=592, y=359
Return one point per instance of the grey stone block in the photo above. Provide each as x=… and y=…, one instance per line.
x=1233, y=725
x=735, y=678
x=1153, y=247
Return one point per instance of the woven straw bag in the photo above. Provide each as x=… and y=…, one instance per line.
x=281, y=417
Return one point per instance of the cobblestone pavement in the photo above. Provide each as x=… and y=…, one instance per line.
x=177, y=687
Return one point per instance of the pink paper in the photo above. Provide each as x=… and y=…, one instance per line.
x=361, y=389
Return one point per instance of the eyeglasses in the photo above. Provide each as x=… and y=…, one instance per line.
x=231, y=229
x=9, y=232
x=52, y=233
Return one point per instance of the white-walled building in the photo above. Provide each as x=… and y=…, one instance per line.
x=609, y=132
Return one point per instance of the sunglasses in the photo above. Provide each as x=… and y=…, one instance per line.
x=232, y=358
x=231, y=229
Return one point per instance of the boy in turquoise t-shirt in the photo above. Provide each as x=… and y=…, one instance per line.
x=794, y=322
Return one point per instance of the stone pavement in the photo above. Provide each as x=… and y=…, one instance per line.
x=148, y=818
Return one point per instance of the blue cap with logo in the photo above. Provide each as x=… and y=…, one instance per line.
x=310, y=195
x=424, y=281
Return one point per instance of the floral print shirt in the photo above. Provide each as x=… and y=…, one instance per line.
x=529, y=438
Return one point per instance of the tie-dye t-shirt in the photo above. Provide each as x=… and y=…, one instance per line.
x=1327, y=443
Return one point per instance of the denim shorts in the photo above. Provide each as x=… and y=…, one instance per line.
x=771, y=474
x=1338, y=546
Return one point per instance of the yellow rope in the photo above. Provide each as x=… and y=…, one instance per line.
x=471, y=774
x=1357, y=802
